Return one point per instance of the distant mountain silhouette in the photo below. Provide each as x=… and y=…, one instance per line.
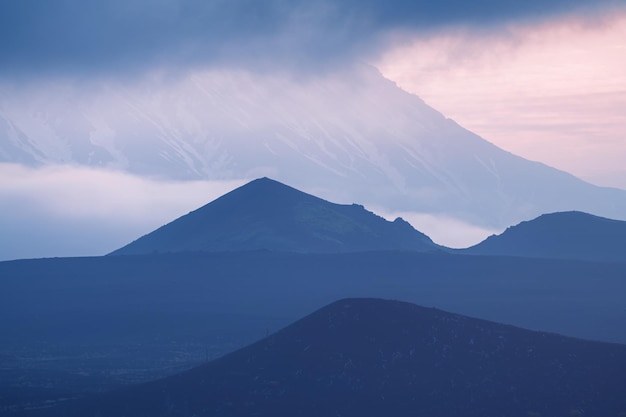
x=369, y=357
x=265, y=214
x=566, y=235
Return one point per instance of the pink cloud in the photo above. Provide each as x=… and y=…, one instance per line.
x=553, y=92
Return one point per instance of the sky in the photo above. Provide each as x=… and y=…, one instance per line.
x=540, y=78
x=552, y=91
x=125, y=38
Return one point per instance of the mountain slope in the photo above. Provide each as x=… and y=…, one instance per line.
x=107, y=321
x=367, y=357
x=265, y=214
x=351, y=136
x=567, y=235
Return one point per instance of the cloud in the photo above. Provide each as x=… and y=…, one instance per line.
x=552, y=91
x=71, y=211
x=73, y=37
x=443, y=230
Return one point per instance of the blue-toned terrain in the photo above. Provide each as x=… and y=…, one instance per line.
x=566, y=235
x=265, y=255
x=368, y=357
x=265, y=214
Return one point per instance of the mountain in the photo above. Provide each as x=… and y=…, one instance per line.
x=79, y=325
x=567, y=235
x=347, y=136
x=265, y=214
x=368, y=357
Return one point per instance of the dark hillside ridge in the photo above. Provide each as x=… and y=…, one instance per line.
x=139, y=318
x=565, y=235
x=370, y=357
x=265, y=214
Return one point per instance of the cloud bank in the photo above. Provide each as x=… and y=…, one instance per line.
x=71, y=37
x=71, y=211
x=443, y=230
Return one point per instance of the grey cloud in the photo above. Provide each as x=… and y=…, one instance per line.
x=94, y=36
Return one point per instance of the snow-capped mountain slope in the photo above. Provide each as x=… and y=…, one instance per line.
x=353, y=137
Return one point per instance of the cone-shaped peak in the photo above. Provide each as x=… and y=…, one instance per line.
x=266, y=214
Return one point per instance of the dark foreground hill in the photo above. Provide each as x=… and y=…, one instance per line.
x=368, y=357
x=70, y=326
x=566, y=235
x=265, y=214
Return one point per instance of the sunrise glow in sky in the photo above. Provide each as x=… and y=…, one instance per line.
x=551, y=91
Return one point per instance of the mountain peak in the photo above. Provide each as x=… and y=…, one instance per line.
x=266, y=183
x=565, y=235
x=266, y=214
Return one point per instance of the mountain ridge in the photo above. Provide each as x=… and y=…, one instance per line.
x=564, y=235
x=371, y=357
x=266, y=214
x=166, y=309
